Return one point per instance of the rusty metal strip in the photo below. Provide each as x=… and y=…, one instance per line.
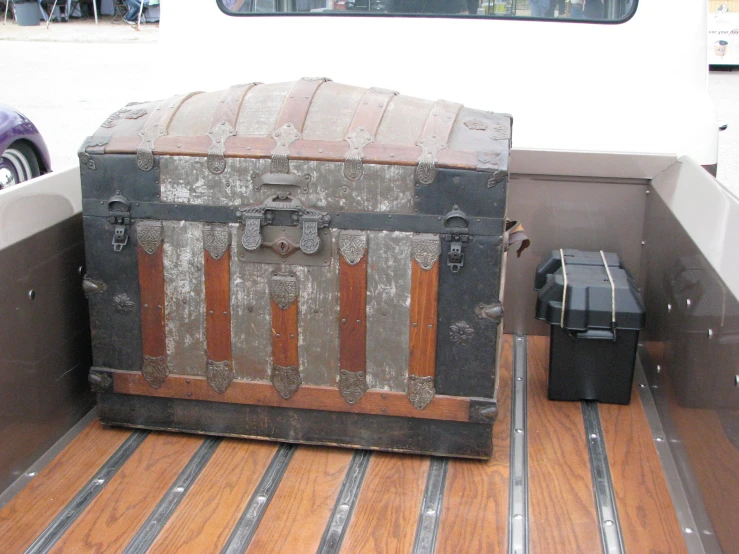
x=285, y=374
x=151, y=281
x=363, y=128
x=157, y=126
x=426, y=249
x=217, y=275
x=435, y=137
x=353, y=313
x=223, y=124
x=289, y=126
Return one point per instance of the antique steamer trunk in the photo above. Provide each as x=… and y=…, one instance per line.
x=308, y=262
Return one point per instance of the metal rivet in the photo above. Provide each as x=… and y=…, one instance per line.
x=736, y=380
x=146, y=305
x=430, y=511
x=343, y=320
x=642, y=386
x=31, y=474
x=688, y=302
x=593, y=436
x=189, y=394
x=659, y=439
x=250, y=309
x=392, y=155
x=292, y=336
x=415, y=324
x=710, y=333
x=159, y=306
x=358, y=321
x=688, y=530
x=225, y=313
x=187, y=381
x=344, y=189
x=179, y=489
x=669, y=308
x=384, y=313
x=383, y=396
x=320, y=150
x=519, y=378
x=278, y=335
x=608, y=523
x=518, y=516
x=643, y=242
x=519, y=431
x=659, y=368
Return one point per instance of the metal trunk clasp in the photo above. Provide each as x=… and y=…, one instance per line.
x=283, y=210
x=120, y=218
x=456, y=223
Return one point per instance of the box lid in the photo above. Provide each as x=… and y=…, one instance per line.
x=590, y=299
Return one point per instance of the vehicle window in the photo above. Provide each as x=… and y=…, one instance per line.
x=569, y=10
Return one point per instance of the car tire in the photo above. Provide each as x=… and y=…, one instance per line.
x=18, y=163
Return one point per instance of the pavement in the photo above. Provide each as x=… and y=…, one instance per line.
x=71, y=76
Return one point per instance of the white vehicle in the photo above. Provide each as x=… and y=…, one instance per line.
x=614, y=142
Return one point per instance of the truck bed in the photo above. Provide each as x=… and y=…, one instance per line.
x=113, y=490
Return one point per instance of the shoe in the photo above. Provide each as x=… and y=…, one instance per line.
x=130, y=22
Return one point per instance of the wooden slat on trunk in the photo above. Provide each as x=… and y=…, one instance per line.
x=296, y=106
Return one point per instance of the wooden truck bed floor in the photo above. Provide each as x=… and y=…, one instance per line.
x=115, y=490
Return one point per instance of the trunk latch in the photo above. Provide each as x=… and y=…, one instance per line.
x=458, y=236
x=120, y=218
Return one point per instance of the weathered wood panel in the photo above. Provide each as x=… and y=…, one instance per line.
x=332, y=111
x=452, y=408
x=404, y=120
x=474, y=515
x=193, y=117
x=302, y=505
x=387, y=509
x=645, y=509
x=50, y=491
x=204, y=520
x=184, y=292
x=561, y=499
x=260, y=110
x=113, y=517
x=318, y=305
x=251, y=317
x=388, y=309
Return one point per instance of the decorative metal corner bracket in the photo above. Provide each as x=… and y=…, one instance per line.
x=352, y=245
x=426, y=250
x=284, y=137
x=123, y=113
x=483, y=410
x=461, y=333
x=420, y=390
x=145, y=150
x=150, y=234
x=155, y=370
x=123, y=304
x=426, y=169
x=216, y=239
x=219, y=375
x=357, y=139
x=92, y=145
x=100, y=381
x=286, y=380
x=216, y=161
x=476, y=125
x=352, y=385
x=283, y=288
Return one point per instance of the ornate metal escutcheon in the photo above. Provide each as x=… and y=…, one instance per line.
x=352, y=385
x=216, y=239
x=357, y=139
x=219, y=375
x=123, y=304
x=426, y=250
x=352, y=245
x=216, y=161
x=155, y=370
x=145, y=150
x=284, y=136
x=286, y=380
x=150, y=234
x=283, y=288
x=461, y=333
x=420, y=390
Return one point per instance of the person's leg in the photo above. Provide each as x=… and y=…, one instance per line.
x=133, y=10
x=576, y=11
x=539, y=8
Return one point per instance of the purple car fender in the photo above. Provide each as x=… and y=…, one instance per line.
x=16, y=126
